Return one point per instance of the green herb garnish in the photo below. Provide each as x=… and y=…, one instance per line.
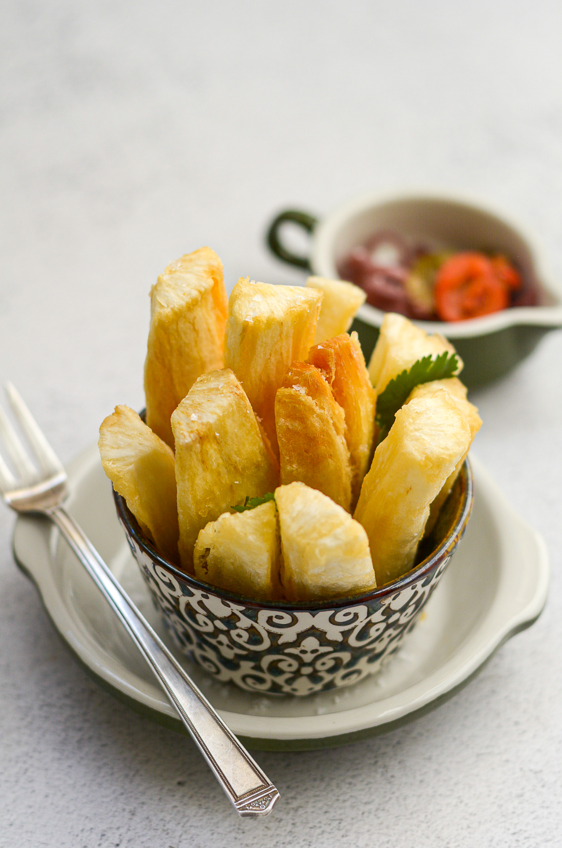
x=252, y=503
x=395, y=395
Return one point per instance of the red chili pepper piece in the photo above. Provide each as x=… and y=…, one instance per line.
x=466, y=286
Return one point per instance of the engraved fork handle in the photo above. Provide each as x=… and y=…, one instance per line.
x=244, y=783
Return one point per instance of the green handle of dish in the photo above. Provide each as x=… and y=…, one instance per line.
x=293, y=216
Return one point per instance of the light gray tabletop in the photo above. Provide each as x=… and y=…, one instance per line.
x=135, y=132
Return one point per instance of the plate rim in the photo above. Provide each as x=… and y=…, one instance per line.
x=423, y=697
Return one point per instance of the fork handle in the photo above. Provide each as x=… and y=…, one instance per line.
x=244, y=783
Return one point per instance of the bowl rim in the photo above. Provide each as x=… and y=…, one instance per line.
x=462, y=515
x=547, y=316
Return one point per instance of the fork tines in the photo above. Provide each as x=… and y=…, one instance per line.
x=46, y=457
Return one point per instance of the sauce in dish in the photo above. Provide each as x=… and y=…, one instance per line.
x=434, y=284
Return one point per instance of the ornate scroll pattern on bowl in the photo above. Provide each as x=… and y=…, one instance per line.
x=279, y=651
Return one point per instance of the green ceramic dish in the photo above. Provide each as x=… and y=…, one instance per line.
x=489, y=346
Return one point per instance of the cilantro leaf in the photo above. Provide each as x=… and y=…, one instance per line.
x=251, y=503
x=396, y=393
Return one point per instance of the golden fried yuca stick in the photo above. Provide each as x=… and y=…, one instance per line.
x=311, y=434
x=458, y=391
x=325, y=552
x=341, y=302
x=426, y=442
x=399, y=345
x=268, y=328
x=341, y=361
x=240, y=552
x=221, y=456
x=188, y=315
x=141, y=468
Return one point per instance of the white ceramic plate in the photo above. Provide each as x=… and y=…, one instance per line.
x=495, y=586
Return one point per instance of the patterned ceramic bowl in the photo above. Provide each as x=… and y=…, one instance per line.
x=297, y=649
x=490, y=346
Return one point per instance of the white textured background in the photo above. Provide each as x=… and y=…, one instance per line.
x=134, y=132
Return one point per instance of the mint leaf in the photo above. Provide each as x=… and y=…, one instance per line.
x=396, y=393
x=251, y=503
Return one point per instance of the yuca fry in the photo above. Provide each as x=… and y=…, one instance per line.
x=341, y=302
x=458, y=391
x=311, y=434
x=341, y=360
x=142, y=469
x=221, y=456
x=268, y=328
x=240, y=552
x=325, y=552
x=399, y=345
x=410, y=467
x=188, y=308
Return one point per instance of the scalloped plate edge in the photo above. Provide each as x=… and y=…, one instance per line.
x=511, y=613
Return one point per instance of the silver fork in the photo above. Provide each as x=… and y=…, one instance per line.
x=43, y=492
